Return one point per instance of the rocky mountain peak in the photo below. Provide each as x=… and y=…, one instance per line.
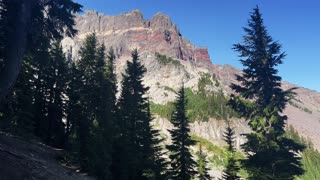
x=130, y=30
x=161, y=21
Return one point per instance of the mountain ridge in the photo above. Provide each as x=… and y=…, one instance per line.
x=186, y=62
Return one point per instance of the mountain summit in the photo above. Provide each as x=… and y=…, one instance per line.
x=130, y=30
x=171, y=59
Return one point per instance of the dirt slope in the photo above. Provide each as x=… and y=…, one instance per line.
x=21, y=160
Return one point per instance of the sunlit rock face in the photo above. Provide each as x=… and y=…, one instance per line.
x=127, y=31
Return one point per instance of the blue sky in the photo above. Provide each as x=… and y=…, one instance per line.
x=218, y=25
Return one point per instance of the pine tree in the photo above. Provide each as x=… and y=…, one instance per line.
x=94, y=126
x=270, y=154
x=229, y=136
x=132, y=114
x=56, y=82
x=182, y=164
x=74, y=109
x=86, y=67
x=155, y=165
x=232, y=169
x=202, y=169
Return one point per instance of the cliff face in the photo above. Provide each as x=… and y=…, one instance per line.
x=130, y=30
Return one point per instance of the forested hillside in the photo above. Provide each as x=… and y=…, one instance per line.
x=127, y=98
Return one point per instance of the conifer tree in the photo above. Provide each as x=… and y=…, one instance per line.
x=202, y=169
x=232, y=169
x=56, y=82
x=111, y=73
x=155, y=165
x=50, y=21
x=229, y=136
x=182, y=164
x=270, y=154
x=86, y=67
x=74, y=109
x=94, y=126
x=104, y=115
x=132, y=114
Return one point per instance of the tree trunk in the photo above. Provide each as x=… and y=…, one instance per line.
x=16, y=46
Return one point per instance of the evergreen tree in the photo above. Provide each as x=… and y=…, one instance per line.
x=104, y=116
x=50, y=21
x=132, y=114
x=87, y=68
x=74, y=109
x=232, y=169
x=202, y=165
x=111, y=74
x=93, y=128
x=155, y=165
x=56, y=80
x=182, y=164
x=270, y=154
x=229, y=136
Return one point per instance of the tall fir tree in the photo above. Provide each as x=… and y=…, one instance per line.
x=74, y=109
x=155, y=165
x=132, y=107
x=56, y=79
x=232, y=169
x=182, y=164
x=86, y=67
x=104, y=115
x=270, y=154
x=202, y=163
x=94, y=125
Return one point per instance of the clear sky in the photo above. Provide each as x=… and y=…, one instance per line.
x=218, y=25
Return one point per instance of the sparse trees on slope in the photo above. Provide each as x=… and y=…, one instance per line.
x=270, y=154
x=202, y=169
x=182, y=164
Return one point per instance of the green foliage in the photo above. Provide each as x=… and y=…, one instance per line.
x=202, y=165
x=182, y=163
x=163, y=59
x=155, y=166
x=137, y=151
x=90, y=110
x=199, y=107
x=217, y=155
x=232, y=169
x=270, y=154
x=162, y=110
x=310, y=156
x=204, y=80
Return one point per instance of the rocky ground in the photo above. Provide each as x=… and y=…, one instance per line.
x=23, y=160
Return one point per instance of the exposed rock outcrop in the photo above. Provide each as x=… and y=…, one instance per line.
x=130, y=30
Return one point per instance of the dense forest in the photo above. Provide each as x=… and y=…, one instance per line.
x=73, y=104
